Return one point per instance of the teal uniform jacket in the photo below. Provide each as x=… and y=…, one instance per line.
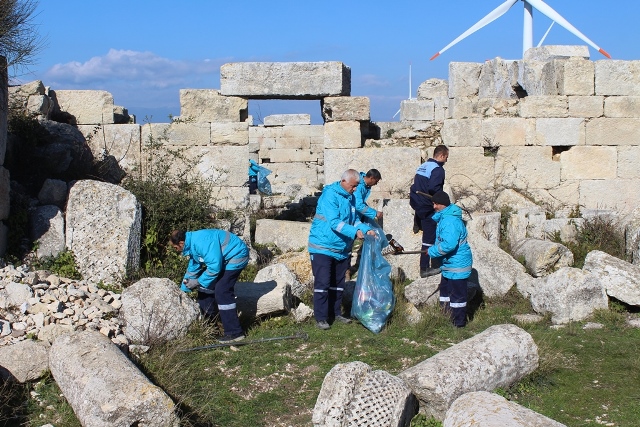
x=451, y=244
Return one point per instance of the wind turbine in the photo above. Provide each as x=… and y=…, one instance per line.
x=527, y=33
x=410, y=93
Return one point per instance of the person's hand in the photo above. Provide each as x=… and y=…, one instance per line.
x=371, y=233
x=359, y=235
x=379, y=215
x=189, y=285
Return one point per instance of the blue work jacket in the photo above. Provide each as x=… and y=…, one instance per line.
x=451, y=244
x=362, y=193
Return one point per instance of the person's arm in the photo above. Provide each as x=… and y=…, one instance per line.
x=446, y=240
x=436, y=181
x=361, y=206
x=190, y=279
x=213, y=260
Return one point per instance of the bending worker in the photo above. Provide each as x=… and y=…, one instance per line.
x=333, y=230
x=216, y=259
x=363, y=191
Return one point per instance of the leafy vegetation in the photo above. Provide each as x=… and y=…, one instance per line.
x=64, y=265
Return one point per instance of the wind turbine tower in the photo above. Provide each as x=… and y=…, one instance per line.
x=527, y=31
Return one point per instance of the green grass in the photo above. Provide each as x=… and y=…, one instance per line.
x=583, y=374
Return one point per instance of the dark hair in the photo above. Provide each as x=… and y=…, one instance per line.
x=440, y=149
x=177, y=236
x=374, y=173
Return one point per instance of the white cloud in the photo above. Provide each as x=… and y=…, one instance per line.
x=372, y=80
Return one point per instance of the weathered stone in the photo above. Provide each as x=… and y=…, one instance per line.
x=616, y=77
x=497, y=357
x=525, y=168
x=298, y=263
x=632, y=236
x=415, y=109
x=53, y=192
x=543, y=106
x=283, y=276
x=541, y=257
x=268, y=297
x=505, y=131
x=621, y=280
x=537, y=78
x=622, y=106
x=566, y=228
x=627, y=197
x=441, y=106
x=342, y=135
x=287, y=235
x=47, y=229
x=433, y=88
x=229, y=133
x=423, y=291
x=498, y=79
x=88, y=107
x=208, y=105
x=229, y=198
x=14, y=294
x=464, y=107
x=560, y=132
x=526, y=224
x=221, y=165
x=287, y=119
x=487, y=224
x=285, y=80
x=457, y=169
x=462, y=133
x=586, y=106
x=103, y=387
x=103, y=226
x=178, y=134
x=497, y=270
x=574, y=76
x=345, y=108
x=353, y=394
x=24, y=361
x=464, y=79
x=487, y=409
x=589, y=162
x=397, y=214
x=284, y=175
x=549, y=52
x=610, y=131
x=569, y=294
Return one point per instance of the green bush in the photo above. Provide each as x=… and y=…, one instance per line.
x=64, y=265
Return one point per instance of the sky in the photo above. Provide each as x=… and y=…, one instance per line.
x=143, y=52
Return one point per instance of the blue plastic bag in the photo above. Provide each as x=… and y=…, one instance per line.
x=264, y=186
x=373, y=298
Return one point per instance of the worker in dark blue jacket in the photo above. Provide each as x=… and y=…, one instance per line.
x=429, y=179
x=334, y=228
x=452, y=247
x=216, y=259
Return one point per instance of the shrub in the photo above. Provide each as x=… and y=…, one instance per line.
x=597, y=233
x=64, y=265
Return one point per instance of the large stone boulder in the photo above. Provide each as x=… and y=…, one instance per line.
x=269, y=293
x=621, y=280
x=47, y=228
x=103, y=226
x=569, y=294
x=103, y=387
x=353, y=394
x=156, y=310
x=497, y=357
x=25, y=361
x=542, y=257
x=286, y=235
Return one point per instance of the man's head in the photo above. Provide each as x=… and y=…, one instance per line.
x=441, y=153
x=440, y=201
x=372, y=177
x=176, y=239
x=350, y=179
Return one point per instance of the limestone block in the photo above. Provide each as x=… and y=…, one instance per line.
x=497, y=357
x=574, y=76
x=285, y=80
x=286, y=155
x=526, y=223
x=39, y=105
x=589, y=162
x=281, y=273
x=586, y=106
x=47, y=228
x=342, y=135
x=208, y=105
x=497, y=107
x=621, y=280
x=504, y=131
x=593, y=194
x=509, y=198
x=287, y=119
x=441, y=108
x=549, y=52
x=24, y=361
x=414, y=109
x=628, y=161
x=542, y=257
x=464, y=79
x=103, y=386
x=491, y=410
x=287, y=235
x=498, y=78
x=487, y=224
x=459, y=174
x=462, y=133
x=5, y=188
x=398, y=216
x=397, y=165
x=561, y=198
x=537, y=78
x=544, y=106
x=229, y=133
x=632, y=236
x=616, y=77
x=353, y=394
x=463, y=107
x=527, y=167
x=345, y=108
x=89, y=107
x=155, y=310
x=284, y=175
x=219, y=165
x=103, y=225
x=622, y=106
x=433, y=88
x=560, y=132
x=496, y=270
x=266, y=296
x=423, y=291
x=610, y=131
x=229, y=198
x=122, y=141
x=569, y=294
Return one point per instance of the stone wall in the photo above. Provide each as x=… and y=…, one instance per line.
x=4, y=173
x=562, y=129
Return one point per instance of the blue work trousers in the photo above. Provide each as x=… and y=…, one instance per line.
x=453, y=299
x=328, y=286
x=428, y=226
x=222, y=300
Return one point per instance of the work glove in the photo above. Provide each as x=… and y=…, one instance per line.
x=189, y=284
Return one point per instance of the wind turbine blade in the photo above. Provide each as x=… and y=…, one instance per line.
x=545, y=34
x=555, y=16
x=492, y=16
